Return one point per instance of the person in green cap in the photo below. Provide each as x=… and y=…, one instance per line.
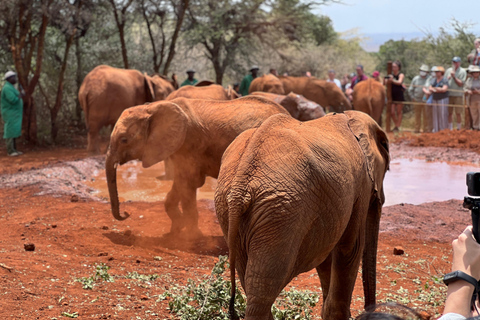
x=190, y=81
x=247, y=80
x=11, y=104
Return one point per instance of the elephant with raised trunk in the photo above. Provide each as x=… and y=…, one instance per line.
x=107, y=91
x=193, y=134
x=293, y=196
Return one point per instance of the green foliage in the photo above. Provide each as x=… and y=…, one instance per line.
x=210, y=298
x=101, y=273
x=142, y=277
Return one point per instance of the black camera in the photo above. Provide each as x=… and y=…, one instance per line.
x=473, y=184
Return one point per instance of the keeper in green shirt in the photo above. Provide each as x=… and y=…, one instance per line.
x=190, y=81
x=247, y=80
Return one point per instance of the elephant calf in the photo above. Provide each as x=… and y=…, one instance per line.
x=369, y=97
x=213, y=92
x=193, y=134
x=293, y=196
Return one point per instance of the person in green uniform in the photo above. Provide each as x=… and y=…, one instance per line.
x=11, y=104
x=247, y=80
x=190, y=81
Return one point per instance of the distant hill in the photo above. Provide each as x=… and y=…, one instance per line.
x=373, y=41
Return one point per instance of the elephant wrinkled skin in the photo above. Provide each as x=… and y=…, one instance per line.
x=369, y=97
x=300, y=108
x=212, y=91
x=293, y=196
x=107, y=91
x=325, y=93
x=193, y=134
x=267, y=83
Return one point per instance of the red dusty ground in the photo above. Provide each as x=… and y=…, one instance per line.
x=72, y=234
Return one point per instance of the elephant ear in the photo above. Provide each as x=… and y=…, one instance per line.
x=290, y=102
x=149, y=92
x=166, y=132
x=374, y=143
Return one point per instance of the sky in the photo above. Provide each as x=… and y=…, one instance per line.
x=397, y=17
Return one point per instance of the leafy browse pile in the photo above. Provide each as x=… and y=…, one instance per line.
x=210, y=298
x=101, y=273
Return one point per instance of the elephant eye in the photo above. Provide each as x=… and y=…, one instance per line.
x=123, y=140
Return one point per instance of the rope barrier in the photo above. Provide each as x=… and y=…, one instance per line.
x=430, y=104
x=419, y=86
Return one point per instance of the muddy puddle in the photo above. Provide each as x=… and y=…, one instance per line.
x=411, y=181
x=136, y=183
x=418, y=181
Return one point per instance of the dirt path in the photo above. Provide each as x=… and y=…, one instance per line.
x=44, y=202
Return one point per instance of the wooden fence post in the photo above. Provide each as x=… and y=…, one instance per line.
x=389, y=98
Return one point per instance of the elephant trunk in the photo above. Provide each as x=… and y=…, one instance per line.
x=111, y=171
x=369, y=263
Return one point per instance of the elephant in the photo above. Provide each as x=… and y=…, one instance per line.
x=369, y=97
x=293, y=196
x=213, y=91
x=193, y=134
x=107, y=91
x=325, y=93
x=204, y=83
x=267, y=83
x=300, y=108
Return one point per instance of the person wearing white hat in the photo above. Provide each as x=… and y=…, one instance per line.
x=416, y=93
x=456, y=76
x=11, y=105
x=472, y=89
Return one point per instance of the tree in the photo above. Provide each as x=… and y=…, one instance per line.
x=157, y=15
x=120, y=9
x=24, y=26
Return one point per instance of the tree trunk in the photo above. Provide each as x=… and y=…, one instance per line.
x=61, y=77
x=124, y=47
x=79, y=78
x=173, y=42
x=218, y=72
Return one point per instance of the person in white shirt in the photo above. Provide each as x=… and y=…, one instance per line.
x=331, y=78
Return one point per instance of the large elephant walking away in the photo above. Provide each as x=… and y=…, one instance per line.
x=325, y=93
x=193, y=134
x=107, y=91
x=300, y=108
x=213, y=91
x=369, y=97
x=267, y=83
x=293, y=196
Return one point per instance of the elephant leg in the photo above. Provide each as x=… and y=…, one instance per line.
x=324, y=271
x=188, y=198
x=173, y=211
x=345, y=263
x=93, y=139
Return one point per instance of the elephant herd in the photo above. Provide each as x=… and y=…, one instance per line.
x=297, y=189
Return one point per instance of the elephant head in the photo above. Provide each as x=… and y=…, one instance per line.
x=374, y=144
x=149, y=133
x=157, y=87
x=337, y=100
x=302, y=109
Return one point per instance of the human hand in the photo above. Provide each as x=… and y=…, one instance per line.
x=466, y=254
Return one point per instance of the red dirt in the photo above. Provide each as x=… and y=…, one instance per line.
x=72, y=232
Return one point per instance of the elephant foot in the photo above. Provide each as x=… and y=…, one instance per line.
x=193, y=233
x=176, y=227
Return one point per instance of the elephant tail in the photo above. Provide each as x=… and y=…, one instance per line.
x=238, y=203
x=83, y=99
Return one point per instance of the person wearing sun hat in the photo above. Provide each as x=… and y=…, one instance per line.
x=456, y=76
x=247, y=80
x=415, y=91
x=11, y=105
x=439, y=90
x=472, y=89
